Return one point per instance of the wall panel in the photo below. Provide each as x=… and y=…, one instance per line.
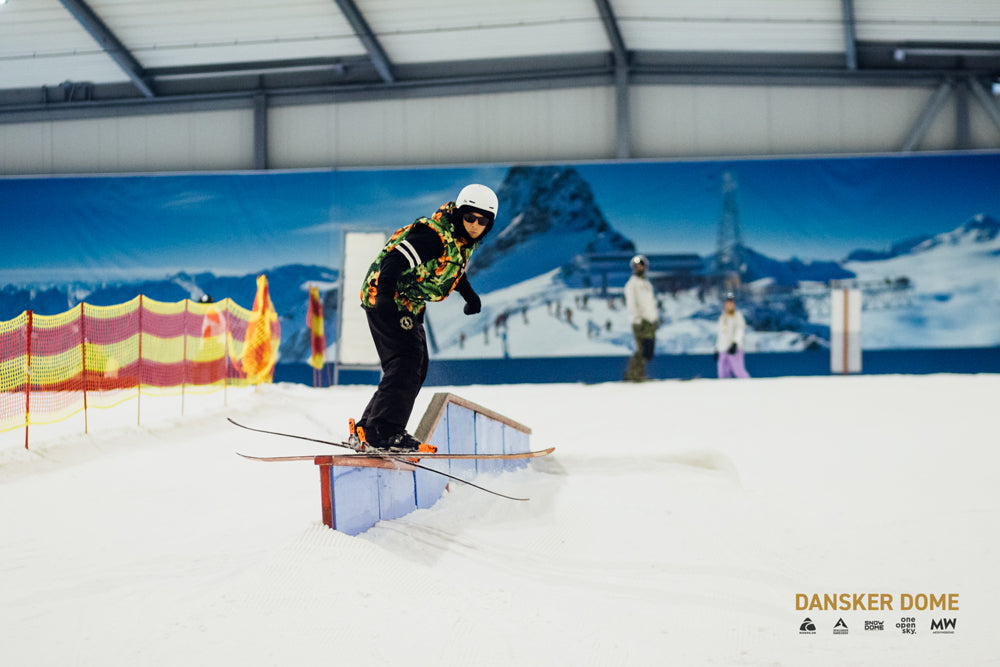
x=163, y=142
x=570, y=124
x=545, y=125
x=681, y=121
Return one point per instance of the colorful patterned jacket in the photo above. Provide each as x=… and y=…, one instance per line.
x=433, y=263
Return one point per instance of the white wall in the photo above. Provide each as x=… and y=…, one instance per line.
x=546, y=125
x=211, y=140
x=569, y=124
x=681, y=121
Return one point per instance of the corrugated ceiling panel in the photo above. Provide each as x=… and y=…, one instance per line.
x=41, y=44
x=732, y=25
x=192, y=32
x=570, y=123
x=183, y=141
x=672, y=121
x=413, y=31
x=928, y=20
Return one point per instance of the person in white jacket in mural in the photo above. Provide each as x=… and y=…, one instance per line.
x=729, y=341
x=641, y=305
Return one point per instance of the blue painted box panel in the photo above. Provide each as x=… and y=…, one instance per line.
x=355, y=499
x=461, y=438
x=430, y=487
x=397, y=496
x=515, y=442
x=489, y=440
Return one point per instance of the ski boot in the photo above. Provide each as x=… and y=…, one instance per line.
x=356, y=437
x=398, y=443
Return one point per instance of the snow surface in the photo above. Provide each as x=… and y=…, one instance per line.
x=674, y=525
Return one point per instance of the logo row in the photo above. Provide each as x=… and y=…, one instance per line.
x=906, y=625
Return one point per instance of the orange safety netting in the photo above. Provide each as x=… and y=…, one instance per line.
x=54, y=366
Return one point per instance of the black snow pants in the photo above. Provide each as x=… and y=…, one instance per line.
x=401, y=344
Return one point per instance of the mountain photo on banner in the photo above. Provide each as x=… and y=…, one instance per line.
x=803, y=225
x=549, y=217
x=917, y=234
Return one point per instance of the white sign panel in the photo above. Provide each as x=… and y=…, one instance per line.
x=354, y=341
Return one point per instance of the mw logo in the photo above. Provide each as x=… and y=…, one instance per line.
x=943, y=624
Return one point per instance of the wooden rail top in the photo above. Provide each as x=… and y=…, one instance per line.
x=439, y=403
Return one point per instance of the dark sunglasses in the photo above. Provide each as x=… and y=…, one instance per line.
x=481, y=220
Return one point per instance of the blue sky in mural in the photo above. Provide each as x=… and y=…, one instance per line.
x=149, y=226
x=808, y=208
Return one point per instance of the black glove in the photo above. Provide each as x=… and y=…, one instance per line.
x=732, y=349
x=715, y=355
x=473, y=304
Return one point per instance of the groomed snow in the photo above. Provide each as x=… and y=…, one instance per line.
x=675, y=524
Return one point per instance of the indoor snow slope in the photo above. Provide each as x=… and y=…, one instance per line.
x=681, y=523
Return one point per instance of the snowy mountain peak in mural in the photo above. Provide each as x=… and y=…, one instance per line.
x=548, y=216
x=980, y=228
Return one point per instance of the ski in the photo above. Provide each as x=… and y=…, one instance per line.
x=411, y=455
x=334, y=443
x=374, y=453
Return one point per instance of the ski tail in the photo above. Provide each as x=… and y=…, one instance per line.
x=345, y=445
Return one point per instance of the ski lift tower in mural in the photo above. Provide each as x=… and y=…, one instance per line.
x=730, y=262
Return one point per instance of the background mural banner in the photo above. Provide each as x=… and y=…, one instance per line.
x=917, y=235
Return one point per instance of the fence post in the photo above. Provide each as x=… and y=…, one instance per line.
x=225, y=377
x=138, y=396
x=27, y=384
x=184, y=360
x=83, y=356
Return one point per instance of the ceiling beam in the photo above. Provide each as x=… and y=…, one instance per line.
x=987, y=101
x=111, y=45
x=850, y=34
x=192, y=88
x=623, y=129
x=614, y=33
x=364, y=32
x=927, y=116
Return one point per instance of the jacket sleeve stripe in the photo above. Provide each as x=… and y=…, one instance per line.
x=409, y=253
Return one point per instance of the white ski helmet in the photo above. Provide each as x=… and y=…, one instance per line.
x=478, y=197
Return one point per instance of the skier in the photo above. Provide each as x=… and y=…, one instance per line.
x=641, y=305
x=421, y=262
x=729, y=341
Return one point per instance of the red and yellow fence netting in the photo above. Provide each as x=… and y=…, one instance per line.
x=54, y=366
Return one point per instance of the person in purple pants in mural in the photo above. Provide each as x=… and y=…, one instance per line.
x=729, y=341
